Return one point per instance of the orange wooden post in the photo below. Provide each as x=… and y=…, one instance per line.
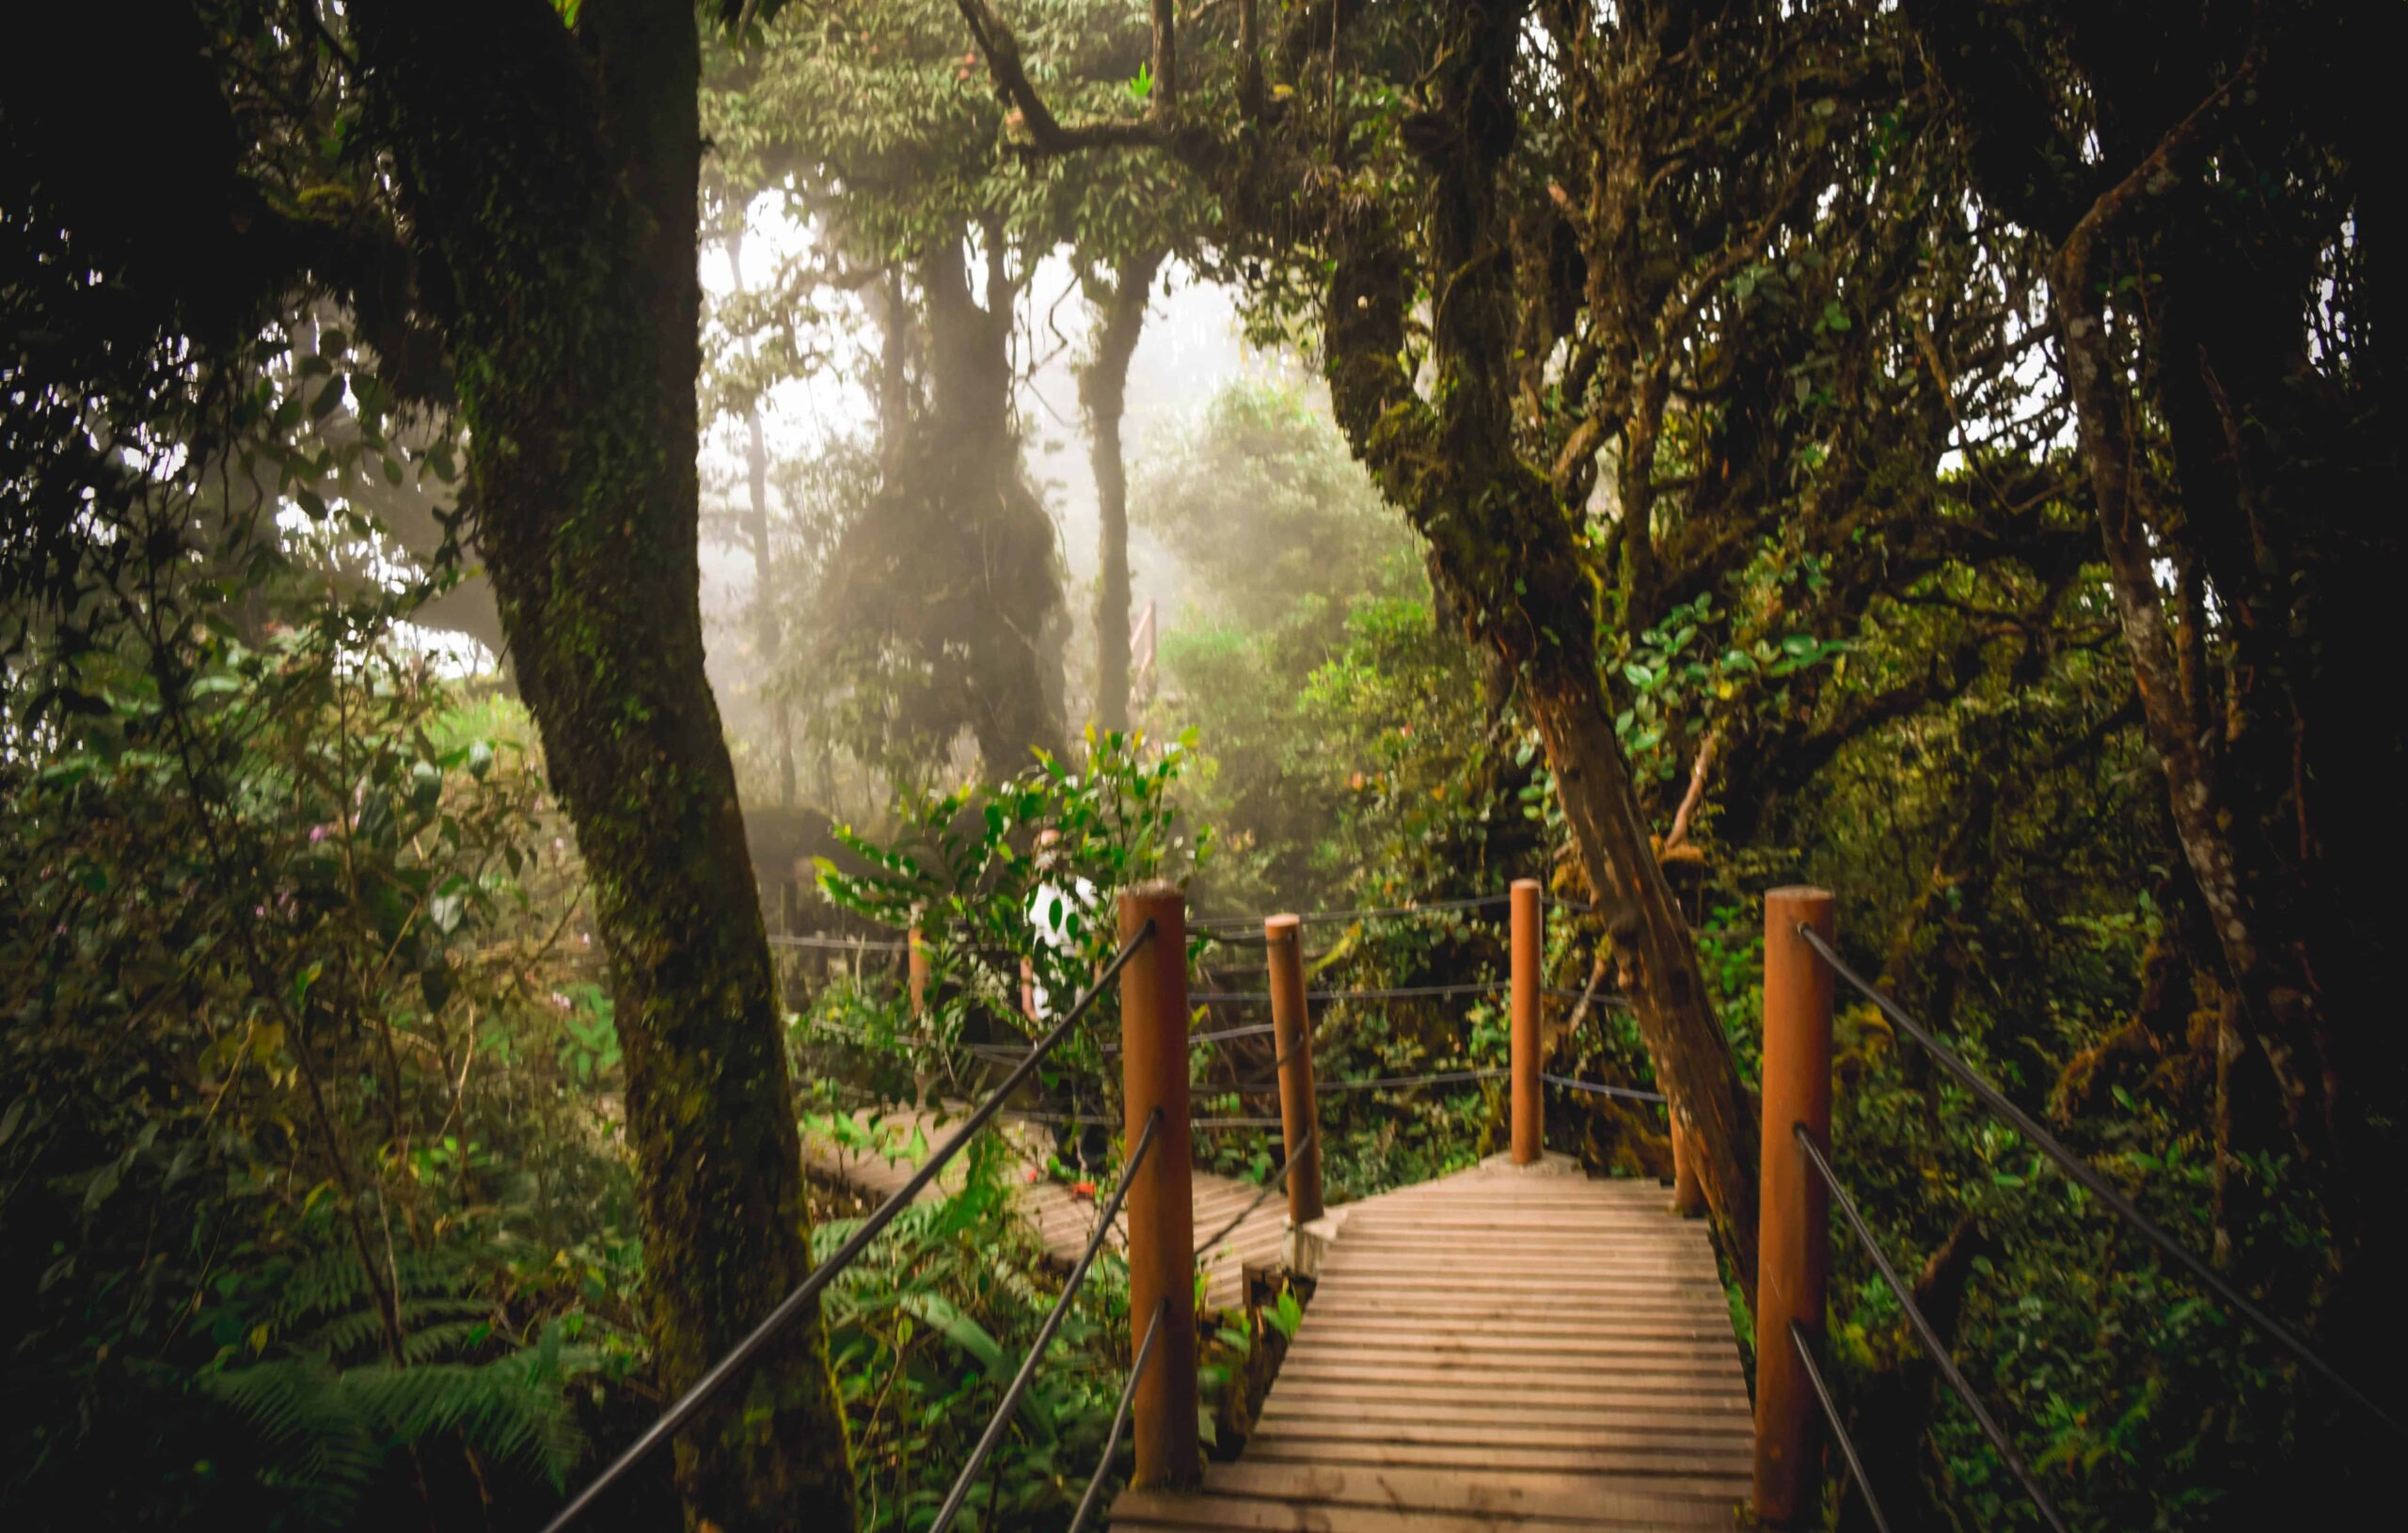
x=1161, y=1205
x=1291, y=1035
x=1529, y=945
x=1688, y=1194
x=1793, y=1251
x=919, y=972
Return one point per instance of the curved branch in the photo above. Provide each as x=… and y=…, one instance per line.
x=1048, y=133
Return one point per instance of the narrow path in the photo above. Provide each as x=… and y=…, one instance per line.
x=1064, y=1221
x=1500, y=1348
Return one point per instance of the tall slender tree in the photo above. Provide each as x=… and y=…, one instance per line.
x=1104, y=395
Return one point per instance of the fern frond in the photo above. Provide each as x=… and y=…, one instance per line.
x=319, y=1445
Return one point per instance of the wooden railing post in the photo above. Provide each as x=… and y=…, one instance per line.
x=1160, y=1205
x=1292, y=1036
x=1529, y=953
x=1793, y=1250
x=919, y=973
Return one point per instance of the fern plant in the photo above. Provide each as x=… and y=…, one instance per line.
x=332, y=1408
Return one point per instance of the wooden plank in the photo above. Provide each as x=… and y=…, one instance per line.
x=1495, y=1350
x=1705, y=1470
x=1570, y=1497
x=1720, y=1444
x=1211, y=1512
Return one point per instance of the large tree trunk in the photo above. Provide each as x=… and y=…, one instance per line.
x=1103, y=393
x=564, y=215
x=1500, y=538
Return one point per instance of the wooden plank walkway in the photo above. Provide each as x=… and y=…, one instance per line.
x=1500, y=1348
x=1064, y=1221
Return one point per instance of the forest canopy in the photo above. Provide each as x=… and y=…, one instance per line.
x=600, y=597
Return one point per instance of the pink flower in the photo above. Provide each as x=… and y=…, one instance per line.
x=320, y=832
x=561, y=1001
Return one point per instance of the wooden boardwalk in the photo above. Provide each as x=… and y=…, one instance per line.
x=1064, y=1220
x=1500, y=1348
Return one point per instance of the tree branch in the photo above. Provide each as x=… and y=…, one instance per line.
x=1048, y=133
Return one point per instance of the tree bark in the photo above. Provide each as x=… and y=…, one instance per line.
x=1103, y=392
x=1498, y=535
x=554, y=177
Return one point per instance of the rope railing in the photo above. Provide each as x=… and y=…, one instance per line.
x=2095, y=1182
x=1120, y=1422
x=1928, y=1336
x=984, y=1447
x=1798, y=1339
x=794, y=1304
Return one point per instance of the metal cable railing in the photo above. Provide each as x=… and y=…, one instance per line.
x=1121, y=1419
x=985, y=1449
x=793, y=1305
x=823, y=943
x=1928, y=1337
x=1393, y=993
x=1221, y=928
x=1598, y=1088
x=2096, y=1183
x=1277, y=1181
x=1798, y=1339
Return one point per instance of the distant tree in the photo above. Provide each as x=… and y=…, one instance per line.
x=877, y=127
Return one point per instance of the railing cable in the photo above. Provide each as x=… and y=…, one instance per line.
x=1839, y=1430
x=1272, y=1185
x=1215, y=928
x=1121, y=1418
x=985, y=1449
x=1393, y=993
x=2095, y=1182
x=1929, y=1337
x=1598, y=1088
x=793, y=1304
x=820, y=942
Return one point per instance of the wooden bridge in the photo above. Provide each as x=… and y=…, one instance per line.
x=1514, y=1346
x=881, y=1150
x=1507, y=1347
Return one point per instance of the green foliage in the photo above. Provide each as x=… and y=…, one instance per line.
x=925, y=1331
x=965, y=871
x=305, y=1128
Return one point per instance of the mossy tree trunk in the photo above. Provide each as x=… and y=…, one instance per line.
x=551, y=177
x=1502, y=538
